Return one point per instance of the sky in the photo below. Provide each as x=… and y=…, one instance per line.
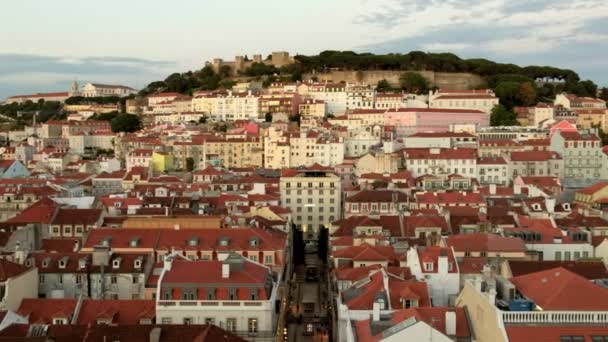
x=46, y=45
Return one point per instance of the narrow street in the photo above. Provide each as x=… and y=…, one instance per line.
x=307, y=318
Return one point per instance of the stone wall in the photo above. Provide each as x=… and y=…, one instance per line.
x=458, y=81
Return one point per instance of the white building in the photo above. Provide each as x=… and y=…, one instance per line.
x=102, y=90
x=483, y=100
x=440, y=161
x=308, y=148
x=581, y=153
x=235, y=294
x=227, y=107
x=436, y=266
x=333, y=94
x=139, y=157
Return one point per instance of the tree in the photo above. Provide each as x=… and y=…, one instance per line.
x=526, y=94
x=413, y=82
x=268, y=117
x=604, y=94
x=126, y=123
x=507, y=92
x=225, y=71
x=202, y=120
x=189, y=164
x=383, y=86
x=105, y=116
x=503, y=117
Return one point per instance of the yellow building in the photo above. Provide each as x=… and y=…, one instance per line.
x=592, y=196
x=162, y=161
x=238, y=152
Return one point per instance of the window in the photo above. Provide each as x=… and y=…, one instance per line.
x=113, y=279
x=231, y=324
x=188, y=320
x=566, y=255
x=268, y=259
x=467, y=254
x=483, y=254
x=78, y=279
x=41, y=278
x=166, y=320
x=428, y=266
x=253, y=258
x=252, y=325
x=210, y=320
x=409, y=303
x=558, y=255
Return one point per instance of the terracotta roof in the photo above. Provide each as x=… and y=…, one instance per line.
x=77, y=216
x=433, y=110
x=587, y=269
x=376, y=196
x=120, y=312
x=472, y=265
x=553, y=332
x=168, y=333
x=485, y=242
x=9, y=269
x=42, y=311
x=518, y=156
x=39, y=212
x=560, y=289
x=590, y=190
x=431, y=254
x=59, y=245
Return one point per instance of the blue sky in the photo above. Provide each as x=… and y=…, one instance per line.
x=45, y=45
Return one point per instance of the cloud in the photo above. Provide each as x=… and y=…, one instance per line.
x=560, y=33
x=21, y=73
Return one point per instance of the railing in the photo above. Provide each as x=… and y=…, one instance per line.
x=555, y=317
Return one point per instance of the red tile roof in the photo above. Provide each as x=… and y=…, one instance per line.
x=116, y=311
x=534, y=156
x=431, y=254
x=485, y=242
x=590, y=190
x=77, y=216
x=59, y=245
x=9, y=269
x=561, y=289
x=553, y=332
x=39, y=212
x=587, y=269
x=42, y=311
x=472, y=265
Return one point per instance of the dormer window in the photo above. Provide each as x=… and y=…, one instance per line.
x=193, y=241
x=428, y=266
x=45, y=262
x=253, y=242
x=450, y=267
x=116, y=263
x=82, y=263
x=224, y=241
x=117, y=204
x=137, y=263
x=134, y=242
x=382, y=303
x=63, y=262
x=106, y=241
x=232, y=294
x=28, y=262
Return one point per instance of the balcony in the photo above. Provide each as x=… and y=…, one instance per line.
x=555, y=317
x=207, y=303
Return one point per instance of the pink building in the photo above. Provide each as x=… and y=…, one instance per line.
x=413, y=120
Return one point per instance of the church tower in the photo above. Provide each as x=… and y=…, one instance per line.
x=75, y=89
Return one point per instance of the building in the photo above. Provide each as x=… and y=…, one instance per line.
x=483, y=100
x=312, y=108
x=162, y=161
x=436, y=266
x=235, y=293
x=412, y=120
x=228, y=106
x=13, y=169
x=19, y=99
x=16, y=283
x=571, y=101
x=103, y=90
x=313, y=194
x=580, y=152
x=536, y=163
x=277, y=59
x=441, y=161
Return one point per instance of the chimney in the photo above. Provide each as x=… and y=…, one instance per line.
x=450, y=323
x=376, y=312
x=76, y=246
x=168, y=261
x=492, y=189
x=155, y=334
x=516, y=189
x=225, y=271
x=442, y=263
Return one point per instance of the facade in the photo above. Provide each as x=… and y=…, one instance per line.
x=16, y=283
x=438, y=161
x=228, y=107
x=580, y=152
x=483, y=100
x=235, y=294
x=103, y=90
x=313, y=194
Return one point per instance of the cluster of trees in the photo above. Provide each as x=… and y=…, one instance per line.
x=125, y=122
x=24, y=112
x=100, y=100
x=192, y=81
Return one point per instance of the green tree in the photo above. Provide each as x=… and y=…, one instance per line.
x=126, y=123
x=189, y=164
x=501, y=116
x=507, y=92
x=383, y=86
x=268, y=117
x=225, y=71
x=105, y=116
x=604, y=94
x=413, y=82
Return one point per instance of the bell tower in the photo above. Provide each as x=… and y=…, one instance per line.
x=75, y=89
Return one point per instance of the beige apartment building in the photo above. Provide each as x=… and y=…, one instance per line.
x=312, y=108
x=314, y=195
x=240, y=152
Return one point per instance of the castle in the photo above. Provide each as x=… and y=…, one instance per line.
x=277, y=59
